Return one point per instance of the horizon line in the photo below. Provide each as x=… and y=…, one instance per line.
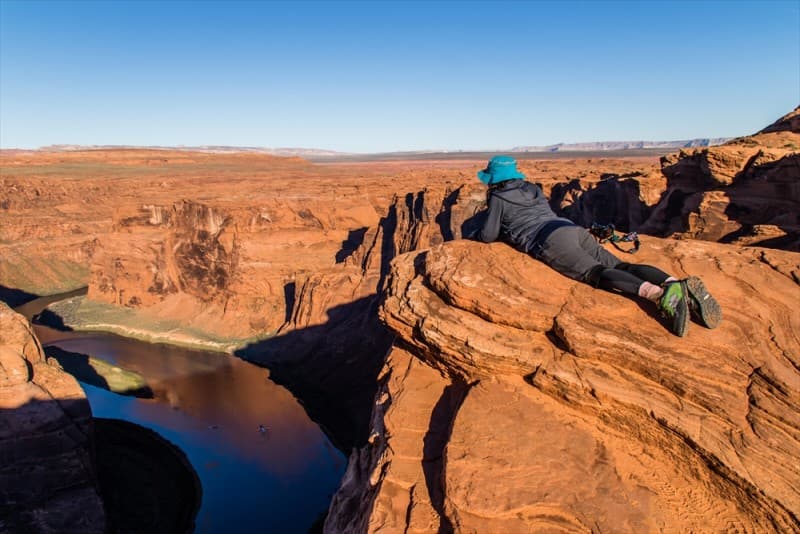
x=553, y=147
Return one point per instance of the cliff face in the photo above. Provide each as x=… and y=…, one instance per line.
x=501, y=396
x=46, y=440
x=746, y=191
x=301, y=275
x=271, y=268
x=224, y=269
x=332, y=347
x=546, y=404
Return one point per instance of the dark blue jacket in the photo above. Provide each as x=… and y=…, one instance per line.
x=519, y=214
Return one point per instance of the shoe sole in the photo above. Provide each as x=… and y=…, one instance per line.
x=707, y=309
x=683, y=318
x=678, y=319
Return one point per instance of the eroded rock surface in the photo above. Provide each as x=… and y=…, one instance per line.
x=331, y=349
x=293, y=258
x=49, y=483
x=746, y=191
x=578, y=411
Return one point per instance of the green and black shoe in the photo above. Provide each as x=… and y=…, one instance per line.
x=702, y=305
x=674, y=306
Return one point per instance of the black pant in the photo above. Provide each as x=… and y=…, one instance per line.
x=626, y=277
x=574, y=252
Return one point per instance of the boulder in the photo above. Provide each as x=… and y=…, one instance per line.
x=576, y=409
x=47, y=474
x=746, y=191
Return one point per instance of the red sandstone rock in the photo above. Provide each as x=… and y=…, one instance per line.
x=243, y=245
x=401, y=468
x=48, y=480
x=596, y=417
x=746, y=191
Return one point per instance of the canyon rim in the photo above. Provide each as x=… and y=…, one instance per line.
x=467, y=399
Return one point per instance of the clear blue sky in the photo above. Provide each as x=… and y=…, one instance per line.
x=379, y=76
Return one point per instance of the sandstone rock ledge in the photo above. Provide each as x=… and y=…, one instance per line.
x=47, y=477
x=516, y=400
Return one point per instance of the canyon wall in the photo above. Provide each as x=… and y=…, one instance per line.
x=746, y=191
x=477, y=389
x=224, y=269
x=49, y=482
x=516, y=400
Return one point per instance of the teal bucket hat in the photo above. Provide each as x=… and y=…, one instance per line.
x=500, y=169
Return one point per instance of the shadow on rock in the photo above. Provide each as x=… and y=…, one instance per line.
x=615, y=199
x=147, y=483
x=354, y=240
x=331, y=368
x=48, y=469
x=15, y=297
x=100, y=374
x=53, y=320
x=79, y=474
x=444, y=218
x=434, y=444
x=752, y=201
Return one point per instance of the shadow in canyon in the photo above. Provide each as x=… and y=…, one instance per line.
x=759, y=194
x=789, y=242
x=354, y=240
x=78, y=366
x=388, y=227
x=615, y=199
x=331, y=368
x=83, y=368
x=15, y=297
x=146, y=484
x=434, y=443
x=289, y=290
x=52, y=320
x=444, y=218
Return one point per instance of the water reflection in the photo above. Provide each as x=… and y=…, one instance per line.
x=264, y=465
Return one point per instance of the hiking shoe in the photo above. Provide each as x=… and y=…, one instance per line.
x=702, y=305
x=674, y=307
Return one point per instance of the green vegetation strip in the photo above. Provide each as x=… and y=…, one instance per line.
x=100, y=373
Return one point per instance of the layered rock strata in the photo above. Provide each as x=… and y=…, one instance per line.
x=746, y=191
x=49, y=483
x=546, y=405
x=292, y=257
x=332, y=347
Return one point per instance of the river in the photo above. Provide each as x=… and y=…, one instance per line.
x=263, y=464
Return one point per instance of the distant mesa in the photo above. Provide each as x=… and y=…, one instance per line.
x=212, y=149
x=622, y=145
x=596, y=146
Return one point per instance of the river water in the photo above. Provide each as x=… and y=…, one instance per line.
x=263, y=464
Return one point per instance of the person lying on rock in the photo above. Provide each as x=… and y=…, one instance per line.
x=519, y=214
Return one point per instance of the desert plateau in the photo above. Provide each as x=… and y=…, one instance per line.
x=469, y=387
